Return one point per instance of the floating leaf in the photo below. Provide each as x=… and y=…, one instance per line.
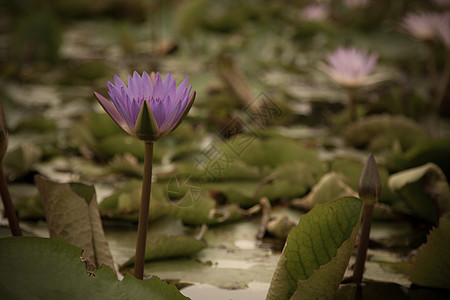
x=280, y=226
x=21, y=159
x=432, y=268
x=330, y=187
x=317, y=252
x=71, y=211
x=40, y=268
x=378, y=132
x=170, y=247
x=435, y=151
x=124, y=204
x=293, y=179
x=425, y=191
x=202, y=209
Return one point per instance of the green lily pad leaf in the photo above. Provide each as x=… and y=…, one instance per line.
x=425, y=191
x=331, y=186
x=271, y=152
x=280, y=226
x=26, y=201
x=204, y=210
x=377, y=133
x=432, y=268
x=124, y=204
x=170, y=247
x=120, y=144
x=435, y=151
x=241, y=193
x=317, y=252
x=52, y=269
x=71, y=211
x=21, y=159
x=293, y=179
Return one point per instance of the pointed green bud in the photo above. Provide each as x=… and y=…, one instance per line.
x=369, y=187
x=3, y=134
x=146, y=127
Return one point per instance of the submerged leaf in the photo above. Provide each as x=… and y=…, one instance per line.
x=40, y=268
x=71, y=211
x=432, y=268
x=317, y=251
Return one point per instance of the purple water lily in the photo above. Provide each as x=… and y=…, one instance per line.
x=149, y=108
x=351, y=67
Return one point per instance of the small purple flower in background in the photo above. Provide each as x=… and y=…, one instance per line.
x=149, y=108
x=443, y=29
x=351, y=67
x=315, y=13
x=422, y=25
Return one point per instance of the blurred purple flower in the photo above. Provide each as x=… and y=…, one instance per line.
x=149, y=108
x=315, y=13
x=351, y=67
x=422, y=25
x=443, y=29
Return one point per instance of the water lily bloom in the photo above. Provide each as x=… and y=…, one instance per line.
x=315, y=13
x=351, y=67
x=423, y=25
x=149, y=108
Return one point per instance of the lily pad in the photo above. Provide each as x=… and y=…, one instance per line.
x=124, y=203
x=377, y=133
x=432, y=268
x=170, y=247
x=51, y=269
x=425, y=191
x=330, y=187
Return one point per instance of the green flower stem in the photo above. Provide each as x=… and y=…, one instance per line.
x=143, y=213
x=351, y=103
x=8, y=206
x=363, y=243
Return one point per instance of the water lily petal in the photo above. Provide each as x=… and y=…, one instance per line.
x=112, y=111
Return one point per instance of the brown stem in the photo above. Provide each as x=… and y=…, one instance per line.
x=351, y=103
x=443, y=83
x=431, y=64
x=363, y=244
x=143, y=213
x=8, y=205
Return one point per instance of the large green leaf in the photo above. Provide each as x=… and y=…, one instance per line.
x=317, y=252
x=39, y=268
x=425, y=191
x=71, y=211
x=432, y=268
